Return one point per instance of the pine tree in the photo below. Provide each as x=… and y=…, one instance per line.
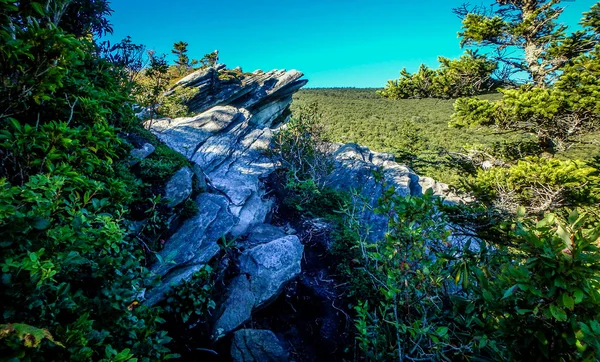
x=182, y=61
x=527, y=37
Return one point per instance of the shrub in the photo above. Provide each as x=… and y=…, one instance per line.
x=532, y=294
x=300, y=149
x=541, y=184
x=174, y=105
x=542, y=300
x=557, y=116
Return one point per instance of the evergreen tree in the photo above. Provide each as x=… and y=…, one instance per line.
x=562, y=101
x=182, y=61
x=526, y=36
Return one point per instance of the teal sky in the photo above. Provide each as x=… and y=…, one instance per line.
x=335, y=43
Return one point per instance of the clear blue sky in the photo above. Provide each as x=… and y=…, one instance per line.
x=336, y=43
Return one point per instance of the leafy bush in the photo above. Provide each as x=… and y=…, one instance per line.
x=467, y=76
x=186, y=308
x=300, y=149
x=542, y=300
x=407, y=274
x=420, y=293
x=68, y=267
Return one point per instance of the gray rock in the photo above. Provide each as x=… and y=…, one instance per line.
x=139, y=154
x=270, y=266
x=264, y=233
x=179, y=187
x=237, y=308
x=355, y=169
x=200, y=177
x=256, y=345
x=193, y=245
x=226, y=140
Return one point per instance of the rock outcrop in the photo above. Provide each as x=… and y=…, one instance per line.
x=226, y=142
x=356, y=168
x=236, y=116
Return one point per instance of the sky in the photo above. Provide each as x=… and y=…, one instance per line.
x=335, y=43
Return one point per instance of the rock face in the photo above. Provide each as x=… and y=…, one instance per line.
x=255, y=345
x=228, y=136
x=226, y=140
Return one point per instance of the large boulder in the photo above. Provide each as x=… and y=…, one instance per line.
x=265, y=269
x=179, y=187
x=270, y=266
x=256, y=345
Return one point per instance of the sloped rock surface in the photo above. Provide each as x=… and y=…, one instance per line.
x=193, y=245
x=228, y=136
x=257, y=345
x=226, y=141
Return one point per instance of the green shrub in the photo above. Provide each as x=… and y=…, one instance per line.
x=558, y=116
x=299, y=148
x=542, y=300
x=175, y=105
x=540, y=183
x=68, y=268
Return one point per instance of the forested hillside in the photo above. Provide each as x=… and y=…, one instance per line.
x=416, y=131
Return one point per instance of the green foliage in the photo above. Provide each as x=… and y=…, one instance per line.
x=28, y=335
x=406, y=276
x=183, y=61
x=66, y=261
x=542, y=301
x=467, y=76
x=187, y=307
x=299, y=148
x=541, y=184
x=161, y=165
x=531, y=30
x=191, y=300
x=529, y=292
x=174, y=105
x=557, y=116
x=153, y=82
